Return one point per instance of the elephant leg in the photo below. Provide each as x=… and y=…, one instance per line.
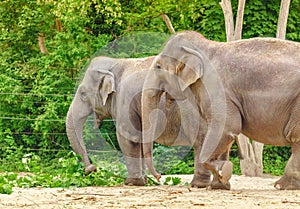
x=217, y=142
x=202, y=176
x=132, y=152
x=291, y=177
x=220, y=167
x=136, y=174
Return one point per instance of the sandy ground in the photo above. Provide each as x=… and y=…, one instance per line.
x=246, y=192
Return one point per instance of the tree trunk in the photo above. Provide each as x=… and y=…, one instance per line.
x=58, y=25
x=42, y=46
x=282, y=19
x=239, y=20
x=229, y=26
x=250, y=154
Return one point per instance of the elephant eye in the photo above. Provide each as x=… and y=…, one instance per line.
x=158, y=66
x=83, y=96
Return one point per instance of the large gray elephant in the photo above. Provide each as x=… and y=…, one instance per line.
x=111, y=88
x=248, y=86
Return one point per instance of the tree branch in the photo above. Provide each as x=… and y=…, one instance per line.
x=168, y=23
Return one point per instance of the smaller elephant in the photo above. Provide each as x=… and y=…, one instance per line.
x=112, y=88
x=249, y=86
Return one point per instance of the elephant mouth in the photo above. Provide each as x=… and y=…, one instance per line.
x=98, y=120
x=175, y=97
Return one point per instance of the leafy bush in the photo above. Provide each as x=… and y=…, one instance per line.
x=61, y=172
x=275, y=159
x=180, y=160
x=173, y=160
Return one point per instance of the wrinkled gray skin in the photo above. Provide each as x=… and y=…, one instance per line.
x=248, y=86
x=111, y=88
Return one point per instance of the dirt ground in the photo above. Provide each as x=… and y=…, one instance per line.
x=246, y=192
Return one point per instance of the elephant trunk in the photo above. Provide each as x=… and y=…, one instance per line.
x=149, y=160
x=150, y=113
x=74, y=129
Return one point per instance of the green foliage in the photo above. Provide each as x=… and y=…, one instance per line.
x=63, y=172
x=5, y=185
x=275, y=159
x=172, y=181
x=261, y=18
x=36, y=89
x=293, y=25
x=134, y=45
x=236, y=165
x=173, y=160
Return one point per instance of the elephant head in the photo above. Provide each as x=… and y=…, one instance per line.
x=173, y=75
x=93, y=96
x=184, y=71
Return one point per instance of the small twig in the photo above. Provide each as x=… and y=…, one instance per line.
x=34, y=203
x=94, y=194
x=287, y=201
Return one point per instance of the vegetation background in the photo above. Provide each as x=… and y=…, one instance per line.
x=44, y=47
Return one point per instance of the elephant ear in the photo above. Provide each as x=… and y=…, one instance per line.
x=107, y=86
x=190, y=68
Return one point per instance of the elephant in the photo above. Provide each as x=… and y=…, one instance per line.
x=249, y=86
x=111, y=88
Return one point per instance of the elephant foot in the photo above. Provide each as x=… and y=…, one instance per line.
x=217, y=184
x=201, y=181
x=287, y=183
x=89, y=169
x=136, y=181
x=225, y=172
x=222, y=172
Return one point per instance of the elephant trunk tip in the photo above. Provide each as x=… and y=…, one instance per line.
x=89, y=169
x=149, y=163
x=154, y=173
x=157, y=176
